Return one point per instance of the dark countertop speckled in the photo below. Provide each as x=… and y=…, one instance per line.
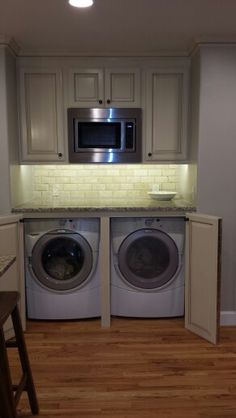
x=162, y=206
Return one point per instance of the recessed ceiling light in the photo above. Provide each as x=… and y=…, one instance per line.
x=81, y=3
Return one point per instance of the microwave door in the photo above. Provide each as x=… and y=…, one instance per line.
x=99, y=136
x=104, y=135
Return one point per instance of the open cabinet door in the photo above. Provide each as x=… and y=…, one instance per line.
x=202, y=280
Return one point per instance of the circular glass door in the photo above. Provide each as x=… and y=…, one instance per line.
x=148, y=258
x=62, y=261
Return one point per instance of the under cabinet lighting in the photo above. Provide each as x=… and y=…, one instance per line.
x=81, y=3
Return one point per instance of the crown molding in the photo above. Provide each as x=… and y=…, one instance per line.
x=197, y=42
x=211, y=40
x=92, y=54
x=10, y=42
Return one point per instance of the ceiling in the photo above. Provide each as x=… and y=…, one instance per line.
x=125, y=27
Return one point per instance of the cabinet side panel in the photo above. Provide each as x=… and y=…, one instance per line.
x=11, y=280
x=8, y=239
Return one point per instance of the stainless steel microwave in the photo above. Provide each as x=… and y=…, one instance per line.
x=104, y=135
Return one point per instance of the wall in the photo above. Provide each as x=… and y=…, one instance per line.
x=187, y=182
x=21, y=184
x=217, y=153
x=4, y=152
x=8, y=126
x=94, y=184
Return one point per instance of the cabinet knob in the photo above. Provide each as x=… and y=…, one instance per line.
x=60, y=154
x=100, y=101
x=149, y=154
x=108, y=101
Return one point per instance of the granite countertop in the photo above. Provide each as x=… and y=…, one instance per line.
x=5, y=262
x=162, y=206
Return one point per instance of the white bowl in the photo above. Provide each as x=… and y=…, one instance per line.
x=159, y=195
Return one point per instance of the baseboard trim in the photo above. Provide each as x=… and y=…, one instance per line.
x=227, y=318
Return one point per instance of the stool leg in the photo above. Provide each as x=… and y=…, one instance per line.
x=7, y=404
x=25, y=360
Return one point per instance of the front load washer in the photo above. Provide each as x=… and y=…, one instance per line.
x=147, y=267
x=62, y=271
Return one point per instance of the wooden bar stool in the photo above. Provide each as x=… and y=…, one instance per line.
x=10, y=394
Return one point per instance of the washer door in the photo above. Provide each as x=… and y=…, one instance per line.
x=148, y=258
x=62, y=260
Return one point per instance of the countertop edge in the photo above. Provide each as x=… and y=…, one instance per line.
x=43, y=212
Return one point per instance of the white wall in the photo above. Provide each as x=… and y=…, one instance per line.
x=188, y=172
x=21, y=184
x=4, y=152
x=216, y=189
x=8, y=127
x=187, y=182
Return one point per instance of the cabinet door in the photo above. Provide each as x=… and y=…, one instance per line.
x=202, y=281
x=86, y=87
x=122, y=87
x=166, y=115
x=104, y=88
x=41, y=108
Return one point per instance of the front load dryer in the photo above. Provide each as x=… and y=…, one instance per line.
x=62, y=272
x=147, y=267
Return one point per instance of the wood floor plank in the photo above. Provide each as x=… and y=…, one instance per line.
x=137, y=368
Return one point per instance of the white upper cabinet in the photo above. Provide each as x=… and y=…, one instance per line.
x=49, y=86
x=166, y=114
x=111, y=87
x=41, y=115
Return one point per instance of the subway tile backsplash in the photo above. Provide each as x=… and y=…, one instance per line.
x=96, y=184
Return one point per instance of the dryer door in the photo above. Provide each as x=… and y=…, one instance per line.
x=148, y=258
x=62, y=260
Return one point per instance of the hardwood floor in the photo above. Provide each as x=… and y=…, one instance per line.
x=137, y=368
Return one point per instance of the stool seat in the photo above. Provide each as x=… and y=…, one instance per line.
x=9, y=393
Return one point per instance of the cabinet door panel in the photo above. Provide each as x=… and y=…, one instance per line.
x=86, y=87
x=11, y=243
x=8, y=239
x=166, y=115
x=166, y=124
x=8, y=282
x=122, y=87
x=41, y=115
x=202, y=275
